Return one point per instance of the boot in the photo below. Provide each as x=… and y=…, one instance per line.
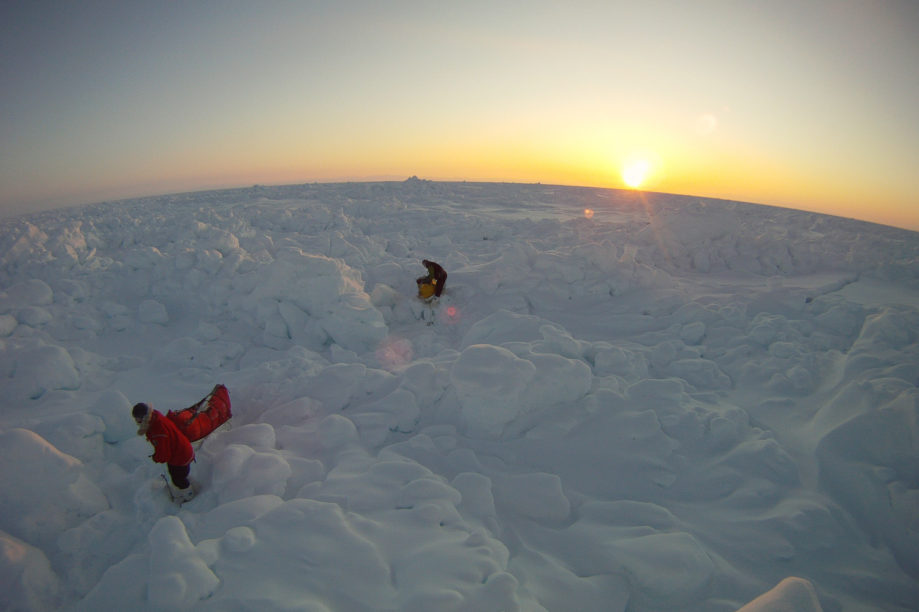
x=184, y=495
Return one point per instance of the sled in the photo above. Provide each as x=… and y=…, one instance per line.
x=199, y=420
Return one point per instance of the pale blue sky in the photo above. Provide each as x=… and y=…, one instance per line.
x=805, y=104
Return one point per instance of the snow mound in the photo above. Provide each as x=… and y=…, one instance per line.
x=27, y=581
x=310, y=297
x=790, y=595
x=67, y=495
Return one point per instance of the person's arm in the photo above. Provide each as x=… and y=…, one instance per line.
x=441, y=280
x=160, y=448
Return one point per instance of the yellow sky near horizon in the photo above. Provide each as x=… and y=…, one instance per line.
x=807, y=106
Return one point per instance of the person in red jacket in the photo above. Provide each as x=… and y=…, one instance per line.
x=170, y=446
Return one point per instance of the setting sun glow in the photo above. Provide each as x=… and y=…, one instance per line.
x=705, y=124
x=635, y=172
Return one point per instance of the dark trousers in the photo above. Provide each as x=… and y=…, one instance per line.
x=179, y=474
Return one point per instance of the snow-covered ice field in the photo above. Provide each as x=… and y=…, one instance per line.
x=623, y=401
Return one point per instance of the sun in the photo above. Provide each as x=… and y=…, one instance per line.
x=635, y=172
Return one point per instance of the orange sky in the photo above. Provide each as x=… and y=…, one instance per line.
x=805, y=105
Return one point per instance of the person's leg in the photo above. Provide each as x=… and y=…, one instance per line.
x=179, y=474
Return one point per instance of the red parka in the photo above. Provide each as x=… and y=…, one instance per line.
x=170, y=445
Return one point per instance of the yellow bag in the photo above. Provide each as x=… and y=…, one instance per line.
x=425, y=290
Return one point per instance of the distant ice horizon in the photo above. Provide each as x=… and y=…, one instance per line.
x=138, y=194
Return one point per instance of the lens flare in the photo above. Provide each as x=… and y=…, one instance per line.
x=706, y=124
x=393, y=353
x=588, y=213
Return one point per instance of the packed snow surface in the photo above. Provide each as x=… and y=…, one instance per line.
x=623, y=401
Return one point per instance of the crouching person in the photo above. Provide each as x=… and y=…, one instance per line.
x=170, y=446
x=433, y=284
